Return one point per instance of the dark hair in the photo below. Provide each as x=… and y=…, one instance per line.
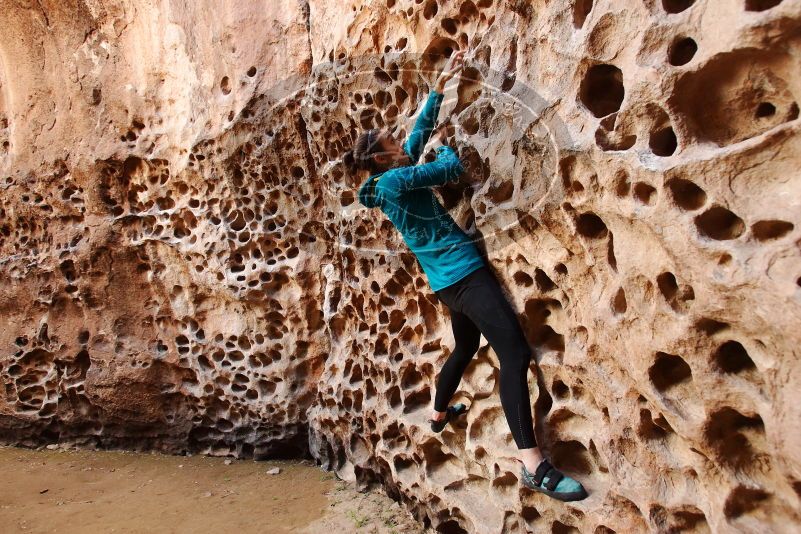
x=359, y=158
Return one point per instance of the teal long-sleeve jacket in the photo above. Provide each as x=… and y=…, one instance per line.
x=445, y=252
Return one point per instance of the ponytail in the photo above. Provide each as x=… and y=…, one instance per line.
x=350, y=162
x=360, y=157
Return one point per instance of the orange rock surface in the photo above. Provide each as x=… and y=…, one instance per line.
x=186, y=266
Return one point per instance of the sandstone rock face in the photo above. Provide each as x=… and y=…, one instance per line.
x=155, y=275
x=187, y=267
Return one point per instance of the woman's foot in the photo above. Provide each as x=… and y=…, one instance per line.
x=531, y=458
x=552, y=482
x=450, y=414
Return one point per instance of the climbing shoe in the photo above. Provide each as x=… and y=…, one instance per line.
x=552, y=482
x=450, y=414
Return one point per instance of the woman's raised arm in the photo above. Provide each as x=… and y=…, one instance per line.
x=424, y=124
x=423, y=127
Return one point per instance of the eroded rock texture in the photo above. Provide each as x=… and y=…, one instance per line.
x=186, y=266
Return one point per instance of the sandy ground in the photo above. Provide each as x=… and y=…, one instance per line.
x=72, y=491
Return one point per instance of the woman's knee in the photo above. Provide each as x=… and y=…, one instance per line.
x=516, y=360
x=467, y=347
x=463, y=352
x=467, y=337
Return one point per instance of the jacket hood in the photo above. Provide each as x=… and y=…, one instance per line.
x=367, y=195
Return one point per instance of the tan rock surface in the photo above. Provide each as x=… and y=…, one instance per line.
x=187, y=267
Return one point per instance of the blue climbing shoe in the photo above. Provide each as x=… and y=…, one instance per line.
x=450, y=414
x=553, y=483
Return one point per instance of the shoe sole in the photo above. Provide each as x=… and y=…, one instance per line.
x=564, y=497
x=444, y=426
x=449, y=421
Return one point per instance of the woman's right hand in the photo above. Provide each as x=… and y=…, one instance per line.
x=440, y=136
x=444, y=131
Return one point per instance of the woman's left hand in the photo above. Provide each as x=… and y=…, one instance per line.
x=455, y=64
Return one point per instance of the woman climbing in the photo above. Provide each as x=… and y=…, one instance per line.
x=458, y=275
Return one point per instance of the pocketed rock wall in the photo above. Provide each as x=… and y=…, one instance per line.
x=187, y=268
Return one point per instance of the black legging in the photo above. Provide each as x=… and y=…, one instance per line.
x=478, y=306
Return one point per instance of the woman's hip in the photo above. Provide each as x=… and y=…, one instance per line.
x=455, y=294
x=479, y=296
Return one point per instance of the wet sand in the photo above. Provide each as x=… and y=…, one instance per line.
x=76, y=491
